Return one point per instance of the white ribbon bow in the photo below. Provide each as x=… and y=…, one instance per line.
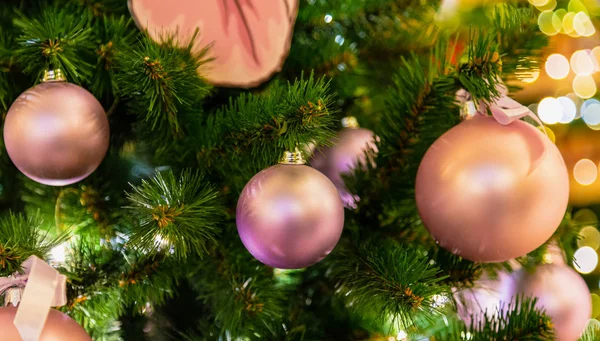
x=44, y=288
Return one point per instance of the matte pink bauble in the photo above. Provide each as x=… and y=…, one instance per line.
x=348, y=151
x=290, y=216
x=489, y=192
x=56, y=133
x=487, y=295
x=562, y=293
x=58, y=327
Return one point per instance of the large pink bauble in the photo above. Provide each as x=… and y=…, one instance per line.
x=58, y=327
x=485, y=297
x=347, y=152
x=562, y=293
x=290, y=216
x=56, y=133
x=248, y=40
x=490, y=192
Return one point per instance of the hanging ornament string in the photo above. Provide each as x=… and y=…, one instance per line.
x=504, y=109
x=44, y=288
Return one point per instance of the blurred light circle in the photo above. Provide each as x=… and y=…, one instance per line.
x=549, y=133
x=549, y=23
x=569, y=110
x=550, y=110
x=589, y=236
x=593, y=323
x=591, y=116
x=557, y=66
x=583, y=25
x=585, y=260
x=585, y=216
x=538, y=3
x=560, y=14
x=548, y=6
x=581, y=63
x=584, y=86
x=585, y=172
x=587, y=103
x=530, y=77
x=576, y=6
x=568, y=26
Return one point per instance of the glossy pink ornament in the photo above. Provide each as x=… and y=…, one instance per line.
x=248, y=39
x=490, y=192
x=56, y=133
x=562, y=293
x=349, y=150
x=290, y=216
x=58, y=327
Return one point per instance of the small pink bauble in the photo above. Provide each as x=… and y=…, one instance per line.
x=290, y=216
x=347, y=152
x=486, y=296
x=56, y=133
x=562, y=293
x=489, y=192
x=58, y=327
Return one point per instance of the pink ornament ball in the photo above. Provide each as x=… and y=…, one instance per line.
x=489, y=192
x=349, y=150
x=56, y=133
x=58, y=327
x=290, y=216
x=562, y=293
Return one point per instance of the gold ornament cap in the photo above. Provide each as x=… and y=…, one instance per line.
x=468, y=110
x=350, y=122
x=292, y=158
x=54, y=75
x=13, y=296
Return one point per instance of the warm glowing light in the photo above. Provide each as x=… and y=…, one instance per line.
x=589, y=236
x=585, y=260
x=530, y=77
x=583, y=25
x=584, y=86
x=568, y=26
x=58, y=253
x=590, y=113
x=569, y=110
x=327, y=18
x=582, y=64
x=549, y=133
x=548, y=6
x=596, y=57
x=549, y=23
x=401, y=335
x=550, y=110
x=585, y=172
x=538, y=3
x=557, y=66
x=576, y=6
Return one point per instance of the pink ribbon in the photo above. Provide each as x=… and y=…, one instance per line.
x=504, y=109
x=44, y=288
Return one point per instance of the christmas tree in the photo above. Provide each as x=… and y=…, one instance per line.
x=290, y=170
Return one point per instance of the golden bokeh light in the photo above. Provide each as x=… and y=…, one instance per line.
x=549, y=23
x=569, y=109
x=583, y=25
x=568, y=26
x=582, y=64
x=538, y=3
x=585, y=260
x=585, y=172
x=557, y=66
x=549, y=133
x=589, y=236
x=550, y=110
x=584, y=86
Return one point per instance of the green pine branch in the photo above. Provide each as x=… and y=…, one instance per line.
x=180, y=214
x=21, y=237
x=162, y=82
x=397, y=282
x=56, y=38
x=519, y=320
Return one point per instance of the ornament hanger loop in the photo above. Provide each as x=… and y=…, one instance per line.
x=292, y=158
x=55, y=75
